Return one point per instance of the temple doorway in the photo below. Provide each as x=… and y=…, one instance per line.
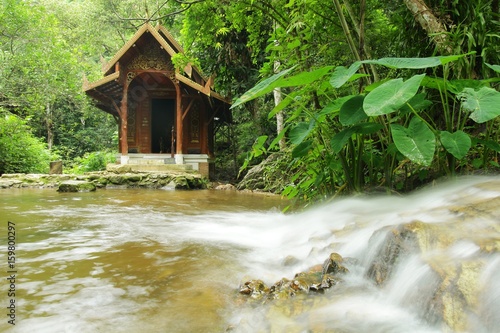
x=162, y=123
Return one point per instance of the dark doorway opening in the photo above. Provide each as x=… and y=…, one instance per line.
x=162, y=123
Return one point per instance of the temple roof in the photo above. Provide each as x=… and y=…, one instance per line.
x=108, y=90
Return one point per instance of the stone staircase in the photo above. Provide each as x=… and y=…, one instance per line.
x=156, y=163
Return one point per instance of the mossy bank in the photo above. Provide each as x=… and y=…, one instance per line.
x=108, y=179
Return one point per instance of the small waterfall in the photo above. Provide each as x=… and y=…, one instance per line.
x=427, y=262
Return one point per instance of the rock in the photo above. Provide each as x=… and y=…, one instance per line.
x=107, y=179
x=254, y=288
x=260, y=177
x=316, y=279
x=13, y=175
x=56, y=168
x=333, y=265
x=290, y=261
x=226, y=187
x=76, y=186
x=451, y=289
x=188, y=183
x=7, y=183
x=131, y=177
x=116, y=179
x=398, y=242
x=118, y=168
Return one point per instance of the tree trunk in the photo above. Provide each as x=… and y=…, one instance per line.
x=278, y=97
x=431, y=24
x=359, y=27
x=347, y=31
x=49, y=124
x=350, y=41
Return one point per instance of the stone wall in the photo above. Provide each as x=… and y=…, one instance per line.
x=106, y=179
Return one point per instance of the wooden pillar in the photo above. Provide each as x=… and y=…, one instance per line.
x=179, y=121
x=123, y=124
x=204, y=129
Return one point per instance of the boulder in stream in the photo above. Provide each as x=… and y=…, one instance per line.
x=316, y=279
x=76, y=186
x=447, y=289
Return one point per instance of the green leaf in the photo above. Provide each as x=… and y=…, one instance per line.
x=340, y=139
x=283, y=104
x=278, y=138
x=342, y=74
x=301, y=131
x=335, y=106
x=453, y=86
x=416, y=63
x=374, y=85
x=496, y=68
x=352, y=111
x=484, y=103
x=367, y=128
x=409, y=63
x=457, y=144
x=258, y=146
x=302, y=149
x=417, y=142
x=417, y=103
x=446, y=59
x=303, y=78
x=391, y=95
x=457, y=86
x=493, y=145
x=293, y=44
x=261, y=88
x=433, y=82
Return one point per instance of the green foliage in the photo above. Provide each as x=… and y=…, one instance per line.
x=20, y=150
x=387, y=133
x=417, y=142
x=483, y=103
x=94, y=161
x=457, y=144
x=45, y=49
x=391, y=96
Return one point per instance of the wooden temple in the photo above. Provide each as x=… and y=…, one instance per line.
x=163, y=114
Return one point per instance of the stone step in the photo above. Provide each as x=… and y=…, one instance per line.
x=160, y=167
x=151, y=161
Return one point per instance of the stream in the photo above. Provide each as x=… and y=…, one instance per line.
x=141, y=260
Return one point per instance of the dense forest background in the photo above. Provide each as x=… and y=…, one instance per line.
x=314, y=115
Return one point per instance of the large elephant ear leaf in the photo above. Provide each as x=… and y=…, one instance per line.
x=391, y=96
x=483, y=103
x=352, y=111
x=457, y=144
x=417, y=142
x=302, y=149
x=341, y=74
x=301, y=131
x=340, y=139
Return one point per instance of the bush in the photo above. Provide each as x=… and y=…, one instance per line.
x=20, y=150
x=94, y=161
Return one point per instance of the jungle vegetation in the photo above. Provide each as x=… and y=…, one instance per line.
x=345, y=95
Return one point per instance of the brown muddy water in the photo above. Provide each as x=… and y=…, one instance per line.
x=172, y=261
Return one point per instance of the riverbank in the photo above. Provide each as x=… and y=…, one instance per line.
x=108, y=179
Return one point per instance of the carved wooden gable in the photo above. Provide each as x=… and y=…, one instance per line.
x=151, y=58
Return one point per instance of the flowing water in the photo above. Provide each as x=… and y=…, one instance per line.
x=172, y=261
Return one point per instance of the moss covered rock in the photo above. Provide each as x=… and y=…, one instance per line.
x=76, y=186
